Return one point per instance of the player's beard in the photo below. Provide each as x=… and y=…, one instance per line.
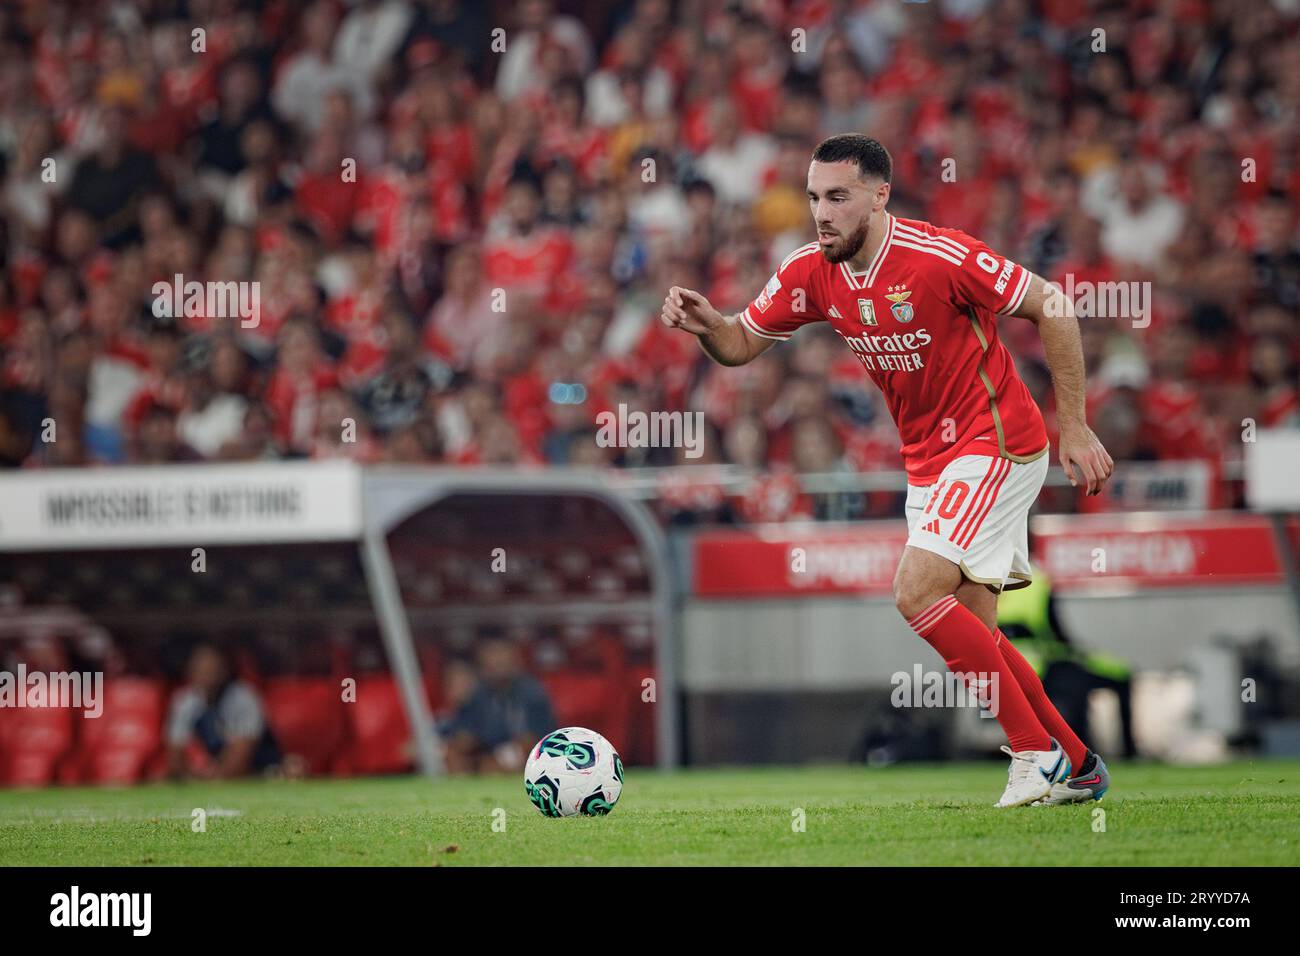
x=846, y=249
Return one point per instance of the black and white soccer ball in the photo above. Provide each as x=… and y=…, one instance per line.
x=573, y=771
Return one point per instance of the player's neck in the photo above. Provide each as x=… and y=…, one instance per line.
x=875, y=236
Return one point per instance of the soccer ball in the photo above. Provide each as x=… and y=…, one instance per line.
x=573, y=770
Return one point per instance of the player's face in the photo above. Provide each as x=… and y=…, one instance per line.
x=842, y=204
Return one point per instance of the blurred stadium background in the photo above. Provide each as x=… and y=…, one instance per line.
x=470, y=505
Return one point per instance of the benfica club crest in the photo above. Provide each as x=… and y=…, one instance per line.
x=901, y=309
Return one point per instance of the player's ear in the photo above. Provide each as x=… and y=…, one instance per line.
x=882, y=197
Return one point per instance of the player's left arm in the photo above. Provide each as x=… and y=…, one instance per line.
x=1052, y=311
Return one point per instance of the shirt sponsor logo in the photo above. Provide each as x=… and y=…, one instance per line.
x=1007, y=268
x=764, y=301
x=890, y=353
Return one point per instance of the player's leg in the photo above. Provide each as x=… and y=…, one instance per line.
x=1025, y=675
x=969, y=505
x=981, y=600
x=924, y=589
x=997, y=552
x=1089, y=779
x=1025, y=492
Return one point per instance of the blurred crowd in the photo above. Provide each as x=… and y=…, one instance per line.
x=463, y=218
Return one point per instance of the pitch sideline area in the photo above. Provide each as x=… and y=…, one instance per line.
x=1242, y=813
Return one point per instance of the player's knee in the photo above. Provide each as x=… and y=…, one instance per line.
x=912, y=594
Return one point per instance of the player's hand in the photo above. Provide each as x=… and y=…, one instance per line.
x=686, y=309
x=1085, y=459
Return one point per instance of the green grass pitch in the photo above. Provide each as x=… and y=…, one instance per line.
x=1243, y=813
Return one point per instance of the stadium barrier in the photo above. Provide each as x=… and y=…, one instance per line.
x=145, y=553
x=752, y=660
x=801, y=617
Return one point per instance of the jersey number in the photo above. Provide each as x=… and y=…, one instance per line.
x=952, y=501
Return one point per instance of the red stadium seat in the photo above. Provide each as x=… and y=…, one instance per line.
x=34, y=742
x=584, y=698
x=307, y=717
x=120, y=746
x=638, y=744
x=380, y=739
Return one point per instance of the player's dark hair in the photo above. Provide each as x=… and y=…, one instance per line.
x=872, y=158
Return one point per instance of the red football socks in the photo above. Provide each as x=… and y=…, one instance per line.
x=969, y=649
x=1047, y=714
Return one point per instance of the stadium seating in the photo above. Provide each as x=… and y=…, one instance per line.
x=307, y=717
x=379, y=739
x=34, y=743
x=590, y=689
x=120, y=746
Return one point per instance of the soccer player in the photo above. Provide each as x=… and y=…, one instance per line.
x=918, y=305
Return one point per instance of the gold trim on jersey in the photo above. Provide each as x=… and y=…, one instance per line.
x=993, y=403
x=1023, y=580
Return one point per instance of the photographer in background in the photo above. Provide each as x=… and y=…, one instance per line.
x=224, y=716
x=503, y=716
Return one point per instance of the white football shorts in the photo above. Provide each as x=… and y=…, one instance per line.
x=977, y=516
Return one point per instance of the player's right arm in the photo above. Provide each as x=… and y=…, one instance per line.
x=724, y=337
x=780, y=309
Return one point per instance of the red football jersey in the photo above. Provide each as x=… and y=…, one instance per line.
x=922, y=321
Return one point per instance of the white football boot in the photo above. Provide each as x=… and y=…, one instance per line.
x=1032, y=774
